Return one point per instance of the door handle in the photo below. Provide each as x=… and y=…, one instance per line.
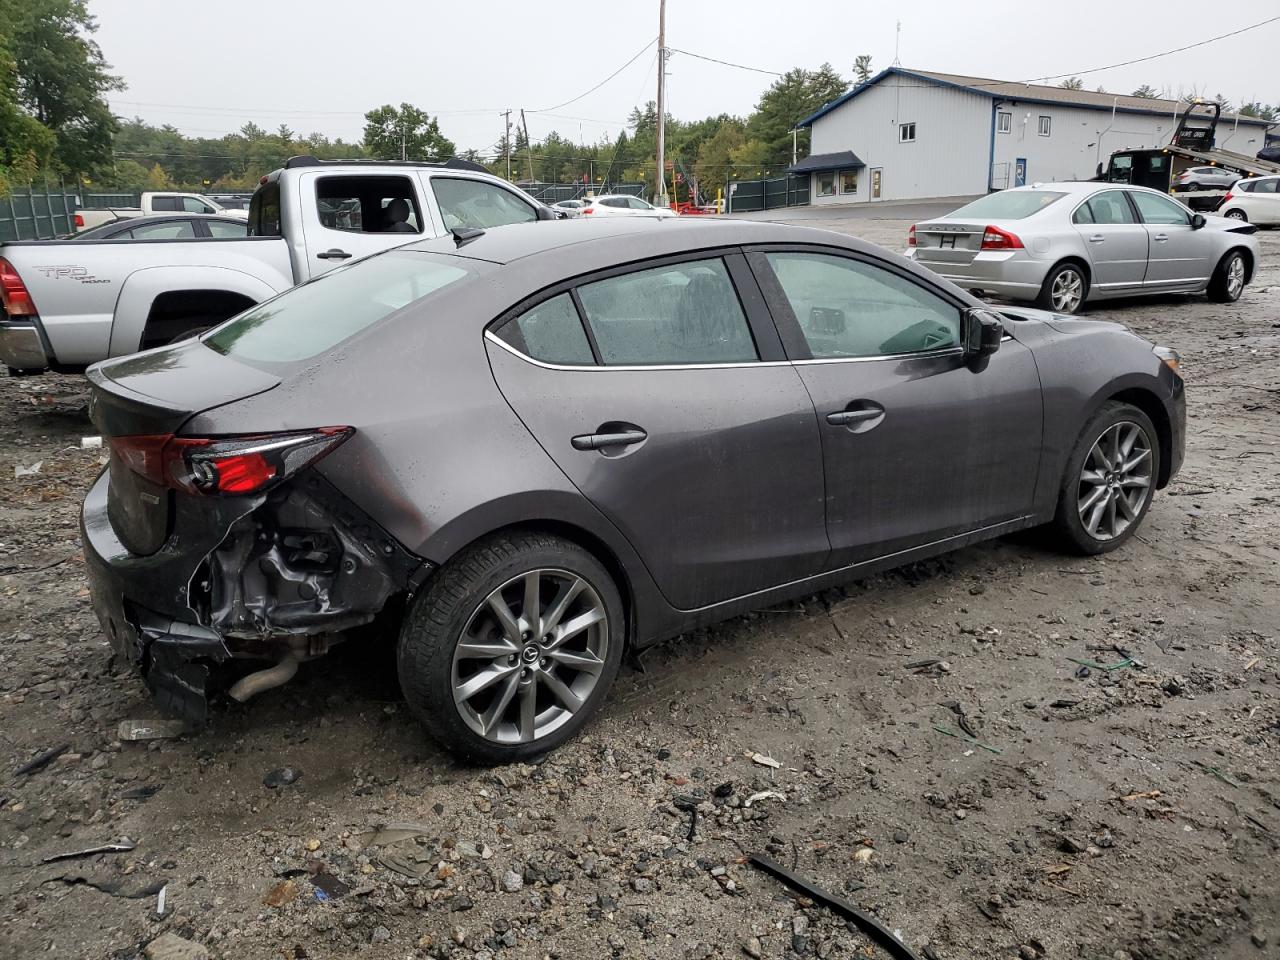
x=842, y=418
x=602, y=441
x=334, y=254
x=1160, y=237
x=1097, y=238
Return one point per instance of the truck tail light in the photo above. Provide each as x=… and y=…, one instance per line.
x=13, y=292
x=993, y=238
x=79, y=220
x=230, y=466
x=911, y=236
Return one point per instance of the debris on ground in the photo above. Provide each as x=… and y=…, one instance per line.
x=151, y=729
x=123, y=845
x=42, y=760
x=281, y=777
x=170, y=946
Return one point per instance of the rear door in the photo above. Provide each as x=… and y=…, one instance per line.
x=1263, y=201
x=1114, y=240
x=347, y=216
x=1180, y=257
x=661, y=391
x=918, y=445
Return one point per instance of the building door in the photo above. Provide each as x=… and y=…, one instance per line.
x=875, y=182
x=1020, y=172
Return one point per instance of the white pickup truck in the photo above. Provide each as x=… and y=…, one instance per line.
x=155, y=202
x=70, y=303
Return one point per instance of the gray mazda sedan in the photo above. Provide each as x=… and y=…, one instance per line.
x=521, y=453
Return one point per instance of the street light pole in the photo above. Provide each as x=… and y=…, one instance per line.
x=661, y=196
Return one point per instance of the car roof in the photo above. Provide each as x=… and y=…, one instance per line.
x=625, y=239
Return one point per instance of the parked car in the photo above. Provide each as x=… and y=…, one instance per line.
x=527, y=451
x=70, y=307
x=623, y=205
x=1270, y=153
x=167, y=227
x=1256, y=200
x=1062, y=245
x=1204, y=178
x=155, y=202
x=570, y=208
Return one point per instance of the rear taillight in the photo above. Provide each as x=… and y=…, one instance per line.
x=233, y=466
x=586, y=210
x=911, y=236
x=79, y=220
x=13, y=292
x=1229, y=197
x=996, y=239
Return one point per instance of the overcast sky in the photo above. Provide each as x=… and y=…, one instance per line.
x=317, y=65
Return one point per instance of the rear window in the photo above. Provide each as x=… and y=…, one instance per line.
x=1007, y=205
x=308, y=320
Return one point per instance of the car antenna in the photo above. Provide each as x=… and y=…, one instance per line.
x=464, y=235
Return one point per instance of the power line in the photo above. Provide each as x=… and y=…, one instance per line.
x=725, y=63
x=274, y=111
x=638, y=55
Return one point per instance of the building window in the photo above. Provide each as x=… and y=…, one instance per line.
x=1004, y=122
x=848, y=181
x=827, y=184
x=1046, y=124
x=906, y=133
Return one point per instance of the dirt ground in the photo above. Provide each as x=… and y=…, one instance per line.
x=1134, y=813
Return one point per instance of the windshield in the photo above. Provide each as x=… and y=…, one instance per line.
x=1006, y=205
x=314, y=317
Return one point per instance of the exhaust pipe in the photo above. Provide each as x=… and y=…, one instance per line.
x=255, y=683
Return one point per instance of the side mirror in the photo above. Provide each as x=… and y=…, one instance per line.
x=983, y=331
x=1197, y=221
x=546, y=213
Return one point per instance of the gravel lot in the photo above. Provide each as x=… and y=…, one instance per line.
x=1132, y=813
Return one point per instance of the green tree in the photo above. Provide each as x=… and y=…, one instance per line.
x=1072, y=83
x=1260, y=110
x=62, y=77
x=792, y=97
x=862, y=67
x=1146, y=92
x=26, y=145
x=715, y=156
x=157, y=179
x=405, y=133
x=127, y=176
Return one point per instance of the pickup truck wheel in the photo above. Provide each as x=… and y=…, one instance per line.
x=511, y=647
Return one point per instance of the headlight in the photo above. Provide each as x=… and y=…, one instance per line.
x=1172, y=359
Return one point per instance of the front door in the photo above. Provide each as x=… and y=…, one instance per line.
x=917, y=445
x=877, y=175
x=1114, y=239
x=665, y=416
x=348, y=216
x=1020, y=172
x=1180, y=256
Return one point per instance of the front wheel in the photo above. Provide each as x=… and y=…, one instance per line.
x=512, y=647
x=1228, y=279
x=1064, y=289
x=1109, y=481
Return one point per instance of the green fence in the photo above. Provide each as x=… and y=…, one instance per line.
x=37, y=213
x=746, y=195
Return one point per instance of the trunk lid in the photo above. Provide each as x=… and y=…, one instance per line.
x=945, y=241
x=152, y=395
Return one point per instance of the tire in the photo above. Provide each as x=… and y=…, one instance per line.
x=1237, y=215
x=1228, y=280
x=486, y=728
x=1075, y=512
x=1062, y=279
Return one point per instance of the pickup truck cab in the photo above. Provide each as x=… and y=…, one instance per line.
x=67, y=304
x=155, y=202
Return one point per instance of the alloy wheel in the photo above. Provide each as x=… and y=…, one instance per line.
x=1114, y=480
x=1235, y=214
x=530, y=656
x=1235, y=277
x=1067, y=291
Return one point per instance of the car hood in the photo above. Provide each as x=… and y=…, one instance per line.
x=1064, y=323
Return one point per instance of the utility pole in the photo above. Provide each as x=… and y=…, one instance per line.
x=528, y=145
x=403, y=156
x=794, y=144
x=506, y=143
x=661, y=196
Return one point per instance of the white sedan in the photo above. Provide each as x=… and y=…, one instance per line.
x=1256, y=200
x=622, y=205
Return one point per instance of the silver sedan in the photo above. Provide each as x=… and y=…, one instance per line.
x=1061, y=245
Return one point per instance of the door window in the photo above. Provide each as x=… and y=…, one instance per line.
x=827, y=184
x=635, y=203
x=1265, y=186
x=264, y=211
x=220, y=228
x=847, y=308
x=363, y=204
x=475, y=203
x=172, y=230
x=166, y=204
x=682, y=313
x=550, y=332
x=1108, y=207
x=196, y=205
x=1156, y=209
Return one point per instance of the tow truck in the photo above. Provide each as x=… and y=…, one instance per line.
x=1192, y=145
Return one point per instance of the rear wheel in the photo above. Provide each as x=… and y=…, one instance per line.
x=1064, y=289
x=1109, y=481
x=1236, y=215
x=1228, y=279
x=512, y=647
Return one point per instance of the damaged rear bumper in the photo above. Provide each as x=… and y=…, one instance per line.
x=240, y=578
